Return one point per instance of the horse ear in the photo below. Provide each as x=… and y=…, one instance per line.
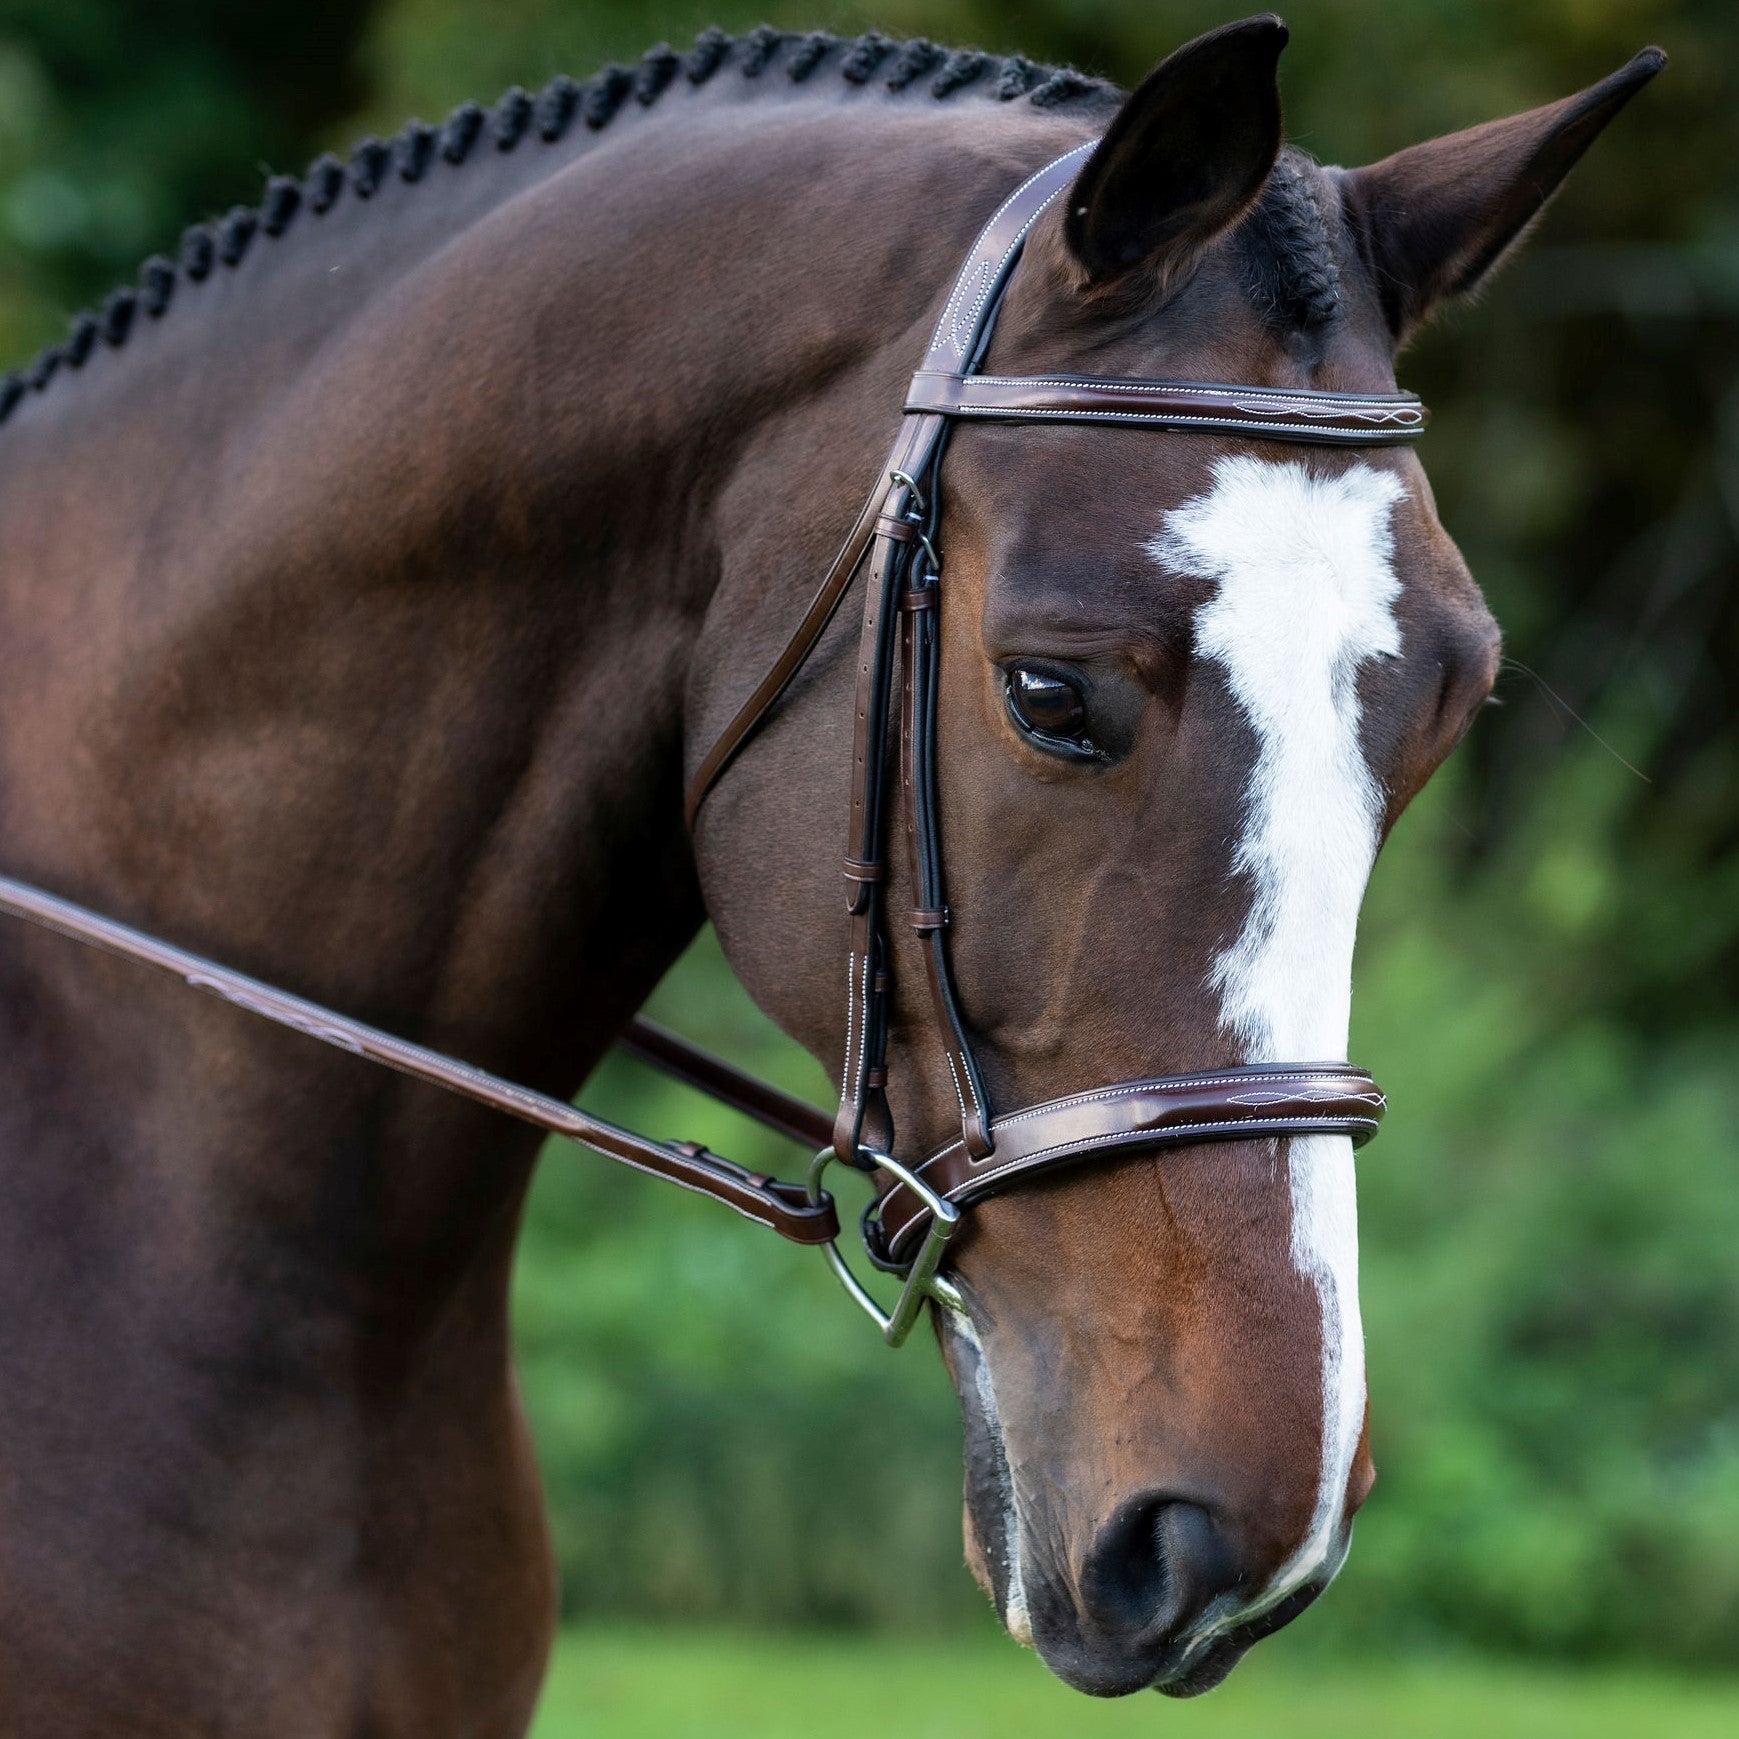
x=1436, y=218
x=1185, y=155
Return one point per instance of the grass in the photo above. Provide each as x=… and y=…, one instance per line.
x=642, y=1684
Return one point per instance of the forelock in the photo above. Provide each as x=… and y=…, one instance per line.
x=1286, y=258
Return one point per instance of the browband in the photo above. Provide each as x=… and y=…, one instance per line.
x=1273, y=413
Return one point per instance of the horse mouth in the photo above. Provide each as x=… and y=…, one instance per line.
x=1208, y=1665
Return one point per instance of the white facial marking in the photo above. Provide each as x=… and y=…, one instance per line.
x=1015, y=1617
x=1306, y=589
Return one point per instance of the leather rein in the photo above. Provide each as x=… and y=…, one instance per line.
x=918, y=1206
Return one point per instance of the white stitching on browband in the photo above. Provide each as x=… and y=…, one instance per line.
x=977, y=284
x=1178, y=420
x=960, y=284
x=945, y=325
x=1292, y=1125
x=1261, y=1099
x=1326, y=404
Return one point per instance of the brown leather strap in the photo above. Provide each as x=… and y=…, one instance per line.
x=1246, y=1103
x=784, y=1207
x=972, y=299
x=673, y=1055
x=930, y=916
x=861, y=1070
x=945, y=387
x=872, y=521
x=1323, y=418
x=786, y=665
x=953, y=345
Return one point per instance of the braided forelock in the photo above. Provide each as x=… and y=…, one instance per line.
x=1287, y=258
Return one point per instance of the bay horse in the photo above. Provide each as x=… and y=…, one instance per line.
x=375, y=573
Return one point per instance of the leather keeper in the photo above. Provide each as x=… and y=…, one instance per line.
x=915, y=598
x=900, y=530
x=858, y=869
x=927, y=920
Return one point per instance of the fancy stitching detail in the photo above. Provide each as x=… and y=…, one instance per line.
x=1304, y=401
x=1172, y=419
x=947, y=324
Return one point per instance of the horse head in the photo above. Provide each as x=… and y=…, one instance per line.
x=1188, y=681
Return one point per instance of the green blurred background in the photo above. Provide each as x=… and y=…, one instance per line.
x=1548, y=981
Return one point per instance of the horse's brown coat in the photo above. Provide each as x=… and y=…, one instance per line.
x=355, y=621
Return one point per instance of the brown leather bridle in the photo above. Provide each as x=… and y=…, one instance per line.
x=918, y=1206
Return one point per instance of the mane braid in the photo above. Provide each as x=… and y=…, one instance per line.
x=278, y=205
x=460, y=131
x=511, y=118
x=413, y=150
x=369, y=159
x=419, y=149
x=962, y=67
x=323, y=183
x=557, y=103
x=658, y=66
x=809, y=54
x=1286, y=257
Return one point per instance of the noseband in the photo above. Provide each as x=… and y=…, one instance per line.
x=918, y=1206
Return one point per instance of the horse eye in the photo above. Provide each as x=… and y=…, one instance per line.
x=1047, y=706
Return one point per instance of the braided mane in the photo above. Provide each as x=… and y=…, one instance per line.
x=518, y=116
x=1289, y=267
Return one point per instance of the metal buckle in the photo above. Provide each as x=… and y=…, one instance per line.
x=921, y=1279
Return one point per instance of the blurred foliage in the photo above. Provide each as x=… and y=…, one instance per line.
x=121, y=123
x=1549, y=979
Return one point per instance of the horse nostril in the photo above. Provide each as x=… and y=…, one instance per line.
x=1154, y=1567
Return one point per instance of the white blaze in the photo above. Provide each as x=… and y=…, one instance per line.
x=1305, y=596
x=1015, y=1616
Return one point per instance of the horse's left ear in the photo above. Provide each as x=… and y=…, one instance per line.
x=1434, y=219
x=1185, y=155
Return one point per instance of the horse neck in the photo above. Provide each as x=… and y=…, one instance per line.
x=349, y=619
